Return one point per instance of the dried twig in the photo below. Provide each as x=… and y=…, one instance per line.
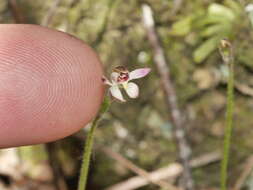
x=139, y=171
x=177, y=4
x=244, y=89
x=248, y=168
x=48, y=17
x=16, y=12
x=170, y=172
x=170, y=95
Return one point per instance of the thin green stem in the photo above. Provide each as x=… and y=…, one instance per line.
x=229, y=123
x=86, y=156
x=89, y=145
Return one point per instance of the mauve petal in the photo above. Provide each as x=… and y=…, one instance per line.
x=106, y=81
x=132, y=90
x=116, y=93
x=139, y=73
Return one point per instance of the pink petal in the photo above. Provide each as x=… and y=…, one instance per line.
x=132, y=90
x=106, y=81
x=139, y=73
x=116, y=93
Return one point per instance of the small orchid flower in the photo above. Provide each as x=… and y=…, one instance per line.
x=120, y=78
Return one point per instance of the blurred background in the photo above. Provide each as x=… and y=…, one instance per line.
x=136, y=146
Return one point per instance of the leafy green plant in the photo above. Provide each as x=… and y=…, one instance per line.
x=210, y=26
x=219, y=22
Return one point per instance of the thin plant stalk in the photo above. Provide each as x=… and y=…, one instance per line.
x=89, y=145
x=228, y=58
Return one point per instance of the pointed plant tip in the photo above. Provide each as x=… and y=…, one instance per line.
x=225, y=43
x=226, y=50
x=145, y=71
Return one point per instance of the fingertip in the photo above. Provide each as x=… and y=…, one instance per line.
x=50, y=85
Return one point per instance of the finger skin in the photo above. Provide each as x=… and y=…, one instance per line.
x=50, y=85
